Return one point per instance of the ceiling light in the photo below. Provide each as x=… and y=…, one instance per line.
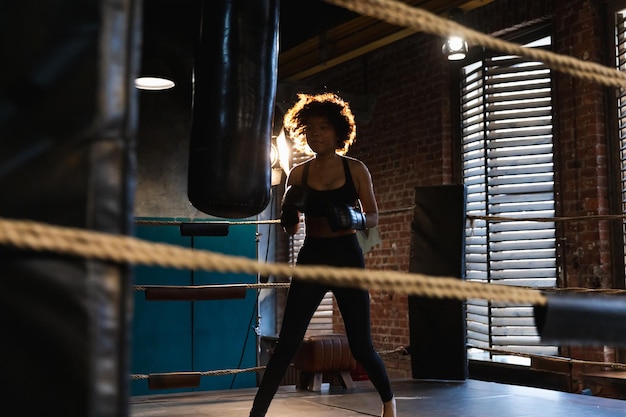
x=154, y=83
x=455, y=48
x=155, y=76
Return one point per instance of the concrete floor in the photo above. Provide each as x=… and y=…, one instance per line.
x=469, y=398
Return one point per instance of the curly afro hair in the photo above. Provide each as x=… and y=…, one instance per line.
x=327, y=105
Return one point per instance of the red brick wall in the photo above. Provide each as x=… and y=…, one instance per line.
x=407, y=143
x=580, y=137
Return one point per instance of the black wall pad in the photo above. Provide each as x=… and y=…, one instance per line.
x=583, y=320
x=204, y=229
x=437, y=327
x=198, y=293
x=67, y=129
x=174, y=380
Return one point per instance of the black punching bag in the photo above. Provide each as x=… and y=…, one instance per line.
x=235, y=74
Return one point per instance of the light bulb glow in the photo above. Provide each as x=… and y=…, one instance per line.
x=455, y=44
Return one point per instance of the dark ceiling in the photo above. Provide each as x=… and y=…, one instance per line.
x=171, y=28
x=301, y=20
x=306, y=29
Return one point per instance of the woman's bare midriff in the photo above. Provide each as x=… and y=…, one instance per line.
x=319, y=227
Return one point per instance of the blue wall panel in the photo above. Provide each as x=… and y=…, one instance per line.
x=179, y=336
x=224, y=336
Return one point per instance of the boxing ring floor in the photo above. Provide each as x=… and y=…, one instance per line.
x=470, y=398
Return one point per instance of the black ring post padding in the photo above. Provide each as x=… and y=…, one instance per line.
x=68, y=142
x=204, y=229
x=194, y=293
x=582, y=319
x=174, y=380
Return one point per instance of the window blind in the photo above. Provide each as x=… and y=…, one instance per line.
x=507, y=156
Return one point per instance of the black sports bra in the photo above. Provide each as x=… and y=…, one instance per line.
x=319, y=200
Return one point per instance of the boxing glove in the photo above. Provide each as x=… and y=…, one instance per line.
x=289, y=217
x=345, y=217
x=294, y=201
x=295, y=197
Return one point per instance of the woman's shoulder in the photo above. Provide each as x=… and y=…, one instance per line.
x=295, y=174
x=355, y=163
x=299, y=167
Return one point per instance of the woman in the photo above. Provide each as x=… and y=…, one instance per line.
x=327, y=189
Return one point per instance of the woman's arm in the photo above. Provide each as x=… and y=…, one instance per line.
x=294, y=178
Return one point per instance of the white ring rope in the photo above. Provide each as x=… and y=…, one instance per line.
x=27, y=234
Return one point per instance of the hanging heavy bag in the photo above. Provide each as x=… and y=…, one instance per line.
x=235, y=74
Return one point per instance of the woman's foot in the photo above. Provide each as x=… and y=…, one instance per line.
x=389, y=408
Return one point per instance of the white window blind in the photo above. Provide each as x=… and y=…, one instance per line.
x=506, y=115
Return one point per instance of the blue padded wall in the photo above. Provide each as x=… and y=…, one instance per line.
x=182, y=336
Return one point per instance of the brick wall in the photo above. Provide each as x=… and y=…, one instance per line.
x=580, y=137
x=408, y=143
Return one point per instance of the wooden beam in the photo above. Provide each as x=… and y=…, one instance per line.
x=353, y=39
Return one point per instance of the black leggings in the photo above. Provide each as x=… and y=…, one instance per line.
x=303, y=299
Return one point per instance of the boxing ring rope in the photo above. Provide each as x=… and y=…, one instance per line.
x=27, y=234
x=208, y=288
x=472, y=217
x=146, y=222
x=186, y=379
x=612, y=365
x=174, y=378
x=124, y=249
x=598, y=217
x=182, y=379
x=246, y=286
x=31, y=235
